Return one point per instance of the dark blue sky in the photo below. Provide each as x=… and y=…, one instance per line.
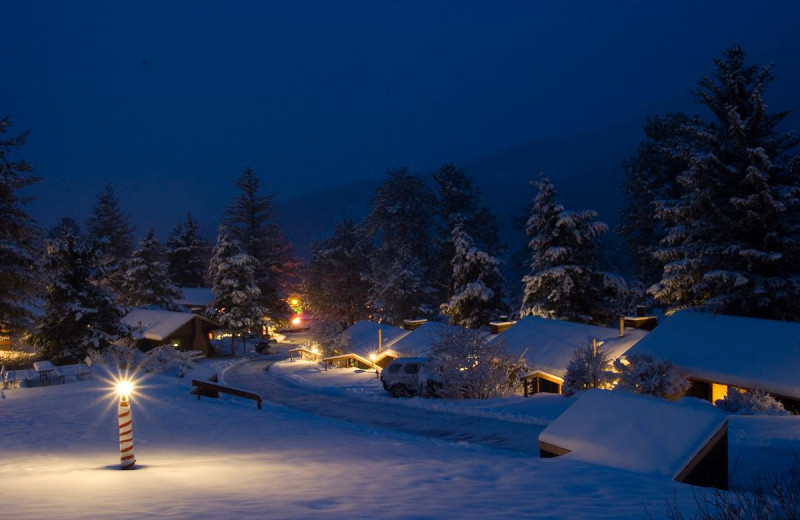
x=168, y=101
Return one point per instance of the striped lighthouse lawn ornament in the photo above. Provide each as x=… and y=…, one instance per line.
x=126, y=457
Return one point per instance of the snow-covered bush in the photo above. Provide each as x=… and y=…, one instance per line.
x=167, y=360
x=643, y=373
x=753, y=402
x=15, y=360
x=588, y=369
x=468, y=368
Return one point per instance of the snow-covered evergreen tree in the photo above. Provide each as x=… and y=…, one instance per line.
x=643, y=373
x=111, y=231
x=250, y=220
x=336, y=280
x=402, y=263
x=589, y=367
x=652, y=175
x=19, y=251
x=564, y=280
x=477, y=282
x=145, y=282
x=456, y=195
x=327, y=335
x=236, y=294
x=78, y=314
x=187, y=252
x=733, y=242
x=466, y=367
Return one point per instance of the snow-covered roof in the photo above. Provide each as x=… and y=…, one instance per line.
x=157, y=325
x=195, y=296
x=639, y=433
x=420, y=340
x=362, y=337
x=549, y=344
x=746, y=352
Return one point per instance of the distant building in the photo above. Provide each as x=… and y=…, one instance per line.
x=183, y=330
x=369, y=344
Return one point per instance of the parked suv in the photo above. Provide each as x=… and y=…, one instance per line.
x=408, y=377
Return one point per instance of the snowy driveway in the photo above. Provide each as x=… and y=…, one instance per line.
x=386, y=413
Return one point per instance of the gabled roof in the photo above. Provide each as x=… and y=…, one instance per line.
x=362, y=337
x=419, y=341
x=195, y=296
x=159, y=325
x=549, y=344
x=639, y=433
x=746, y=352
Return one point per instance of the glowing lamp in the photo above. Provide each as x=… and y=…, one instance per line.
x=296, y=320
x=127, y=460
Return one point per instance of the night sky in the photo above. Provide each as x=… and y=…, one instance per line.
x=169, y=101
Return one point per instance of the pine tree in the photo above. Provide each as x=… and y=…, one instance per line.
x=236, y=294
x=336, y=284
x=111, y=230
x=402, y=270
x=250, y=220
x=186, y=254
x=651, y=175
x=477, y=282
x=78, y=314
x=564, y=280
x=457, y=197
x=145, y=282
x=733, y=243
x=18, y=232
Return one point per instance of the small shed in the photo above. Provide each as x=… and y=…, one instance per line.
x=183, y=330
x=717, y=351
x=686, y=441
x=369, y=344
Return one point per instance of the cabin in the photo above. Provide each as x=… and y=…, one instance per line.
x=717, y=351
x=548, y=345
x=183, y=330
x=369, y=344
x=686, y=441
x=420, y=340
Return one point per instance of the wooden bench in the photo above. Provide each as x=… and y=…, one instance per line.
x=13, y=378
x=78, y=370
x=211, y=389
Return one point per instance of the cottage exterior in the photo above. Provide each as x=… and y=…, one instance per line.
x=369, y=344
x=548, y=346
x=184, y=330
x=717, y=351
x=686, y=441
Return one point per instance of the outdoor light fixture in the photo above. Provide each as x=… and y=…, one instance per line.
x=373, y=357
x=126, y=457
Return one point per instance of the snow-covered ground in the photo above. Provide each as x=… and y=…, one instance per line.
x=224, y=458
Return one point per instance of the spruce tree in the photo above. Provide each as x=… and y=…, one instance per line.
x=477, y=282
x=145, y=282
x=564, y=280
x=336, y=284
x=733, y=239
x=456, y=197
x=250, y=220
x=18, y=232
x=187, y=252
x=111, y=230
x=403, y=272
x=236, y=294
x=79, y=314
x=651, y=175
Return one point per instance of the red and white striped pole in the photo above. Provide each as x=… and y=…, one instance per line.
x=126, y=457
